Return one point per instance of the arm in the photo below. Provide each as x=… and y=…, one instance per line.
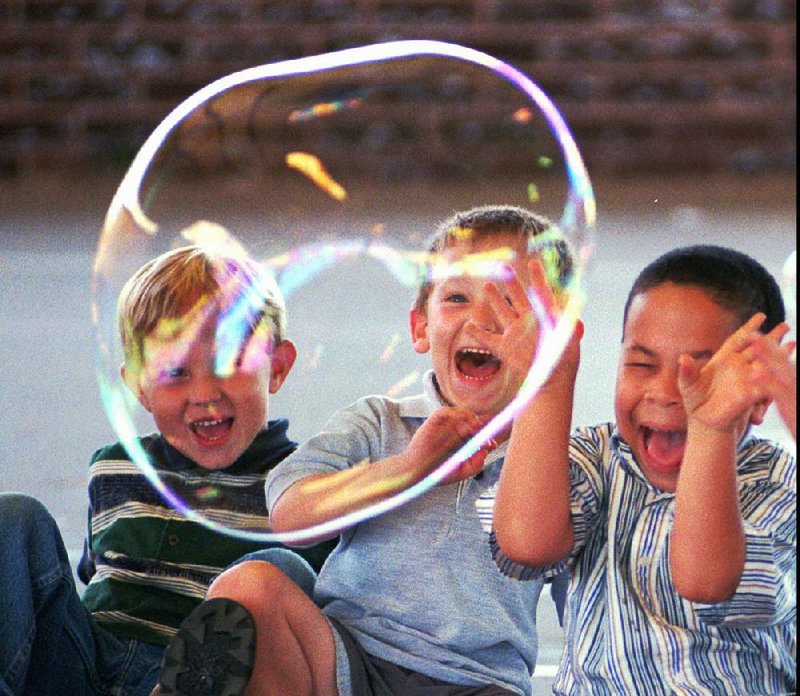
x=320, y=498
x=707, y=547
x=532, y=519
x=767, y=592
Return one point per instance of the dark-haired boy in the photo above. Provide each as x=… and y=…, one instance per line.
x=678, y=524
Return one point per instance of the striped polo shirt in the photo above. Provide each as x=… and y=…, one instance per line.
x=146, y=565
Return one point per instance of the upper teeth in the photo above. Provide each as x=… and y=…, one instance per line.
x=208, y=422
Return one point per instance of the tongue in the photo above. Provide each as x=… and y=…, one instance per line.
x=212, y=431
x=665, y=449
x=478, y=367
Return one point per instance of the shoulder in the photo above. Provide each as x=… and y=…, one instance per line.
x=593, y=440
x=118, y=452
x=760, y=458
x=382, y=409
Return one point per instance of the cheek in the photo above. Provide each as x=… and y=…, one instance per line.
x=624, y=401
x=252, y=390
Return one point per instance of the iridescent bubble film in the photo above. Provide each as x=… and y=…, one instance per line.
x=328, y=174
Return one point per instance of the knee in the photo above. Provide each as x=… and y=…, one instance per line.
x=255, y=584
x=22, y=512
x=292, y=564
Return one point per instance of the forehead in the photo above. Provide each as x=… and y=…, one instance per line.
x=486, y=251
x=669, y=314
x=469, y=242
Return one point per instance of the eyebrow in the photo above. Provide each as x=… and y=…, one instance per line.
x=696, y=354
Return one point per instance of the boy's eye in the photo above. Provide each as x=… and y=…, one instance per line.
x=456, y=297
x=170, y=374
x=639, y=365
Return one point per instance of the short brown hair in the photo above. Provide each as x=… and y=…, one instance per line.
x=542, y=236
x=181, y=281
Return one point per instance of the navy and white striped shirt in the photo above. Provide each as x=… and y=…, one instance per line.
x=628, y=630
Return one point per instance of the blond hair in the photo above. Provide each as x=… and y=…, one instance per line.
x=541, y=235
x=176, y=286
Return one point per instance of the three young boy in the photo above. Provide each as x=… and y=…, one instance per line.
x=678, y=525
x=147, y=566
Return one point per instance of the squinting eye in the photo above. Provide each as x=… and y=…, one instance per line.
x=639, y=365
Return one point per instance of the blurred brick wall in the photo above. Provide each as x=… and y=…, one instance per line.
x=646, y=85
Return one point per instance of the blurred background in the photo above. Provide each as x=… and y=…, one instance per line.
x=684, y=112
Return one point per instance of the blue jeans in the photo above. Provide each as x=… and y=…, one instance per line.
x=49, y=643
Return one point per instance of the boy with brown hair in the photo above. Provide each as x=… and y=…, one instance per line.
x=146, y=566
x=678, y=524
x=410, y=601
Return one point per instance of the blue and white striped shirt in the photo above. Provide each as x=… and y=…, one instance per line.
x=628, y=630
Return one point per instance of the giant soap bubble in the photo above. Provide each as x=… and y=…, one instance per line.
x=331, y=172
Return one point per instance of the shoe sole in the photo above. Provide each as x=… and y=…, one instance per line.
x=212, y=653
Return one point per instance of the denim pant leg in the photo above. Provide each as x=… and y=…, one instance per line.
x=49, y=643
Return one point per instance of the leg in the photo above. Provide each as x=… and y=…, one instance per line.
x=294, y=647
x=45, y=632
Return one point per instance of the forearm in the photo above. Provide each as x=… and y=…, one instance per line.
x=707, y=547
x=320, y=498
x=532, y=511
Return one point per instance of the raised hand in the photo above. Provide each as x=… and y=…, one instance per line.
x=524, y=317
x=774, y=371
x=719, y=393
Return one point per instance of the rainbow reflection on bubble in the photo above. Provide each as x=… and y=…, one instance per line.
x=279, y=140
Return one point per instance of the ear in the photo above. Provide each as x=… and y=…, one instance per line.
x=135, y=386
x=283, y=356
x=759, y=411
x=419, y=331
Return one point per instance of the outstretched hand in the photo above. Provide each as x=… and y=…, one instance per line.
x=719, y=393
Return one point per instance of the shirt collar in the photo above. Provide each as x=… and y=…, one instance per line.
x=629, y=463
x=422, y=405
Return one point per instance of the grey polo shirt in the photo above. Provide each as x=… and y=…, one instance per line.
x=418, y=585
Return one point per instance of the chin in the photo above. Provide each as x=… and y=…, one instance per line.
x=663, y=480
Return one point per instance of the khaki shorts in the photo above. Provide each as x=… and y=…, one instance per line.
x=372, y=676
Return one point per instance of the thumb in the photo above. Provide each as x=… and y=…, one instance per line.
x=688, y=371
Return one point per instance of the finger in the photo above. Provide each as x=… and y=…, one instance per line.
x=688, y=371
x=741, y=338
x=504, y=312
x=517, y=295
x=779, y=331
x=541, y=289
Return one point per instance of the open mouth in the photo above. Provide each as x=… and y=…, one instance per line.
x=211, y=431
x=477, y=363
x=664, y=448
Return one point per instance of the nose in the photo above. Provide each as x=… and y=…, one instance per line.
x=204, y=389
x=482, y=315
x=663, y=389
